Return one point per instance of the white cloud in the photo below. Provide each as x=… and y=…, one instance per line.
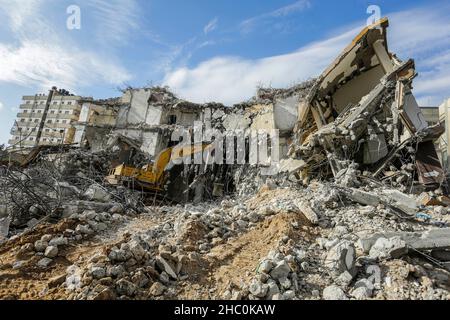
x=19, y=11
x=211, y=26
x=424, y=34
x=1, y=106
x=248, y=25
x=233, y=79
x=36, y=64
x=42, y=56
x=116, y=19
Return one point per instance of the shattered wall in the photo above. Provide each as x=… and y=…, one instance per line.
x=362, y=114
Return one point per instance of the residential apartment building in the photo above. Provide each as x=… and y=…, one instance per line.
x=46, y=119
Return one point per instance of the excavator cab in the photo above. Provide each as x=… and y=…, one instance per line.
x=152, y=176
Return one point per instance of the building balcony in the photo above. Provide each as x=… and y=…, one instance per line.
x=22, y=143
x=29, y=115
x=56, y=125
x=62, y=116
x=27, y=125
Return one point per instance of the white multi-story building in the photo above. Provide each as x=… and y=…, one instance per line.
x=46, y=119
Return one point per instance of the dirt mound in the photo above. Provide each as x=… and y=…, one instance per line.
x=234, y=263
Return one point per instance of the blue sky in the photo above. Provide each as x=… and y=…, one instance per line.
x=204, y=50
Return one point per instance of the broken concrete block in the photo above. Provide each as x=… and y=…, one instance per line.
x=40, y=245
x=402, y=201
x=51, y=252
x=58, y=241
x=341, y=258
x=157, y=289
x=428, y=240
x=98, y=272
x=265, y=266
x=361, y=293
x=388, y=248
x=165, y=266
x=273, y=289
x=44, y=262
x=432, y=239
x=344, y=279
x=97, y=193
x=258, y=289
x=4, y=227
x=363, y=197
x=308, y=212
x=281, y=270
x=334, y=293
x=125, y=287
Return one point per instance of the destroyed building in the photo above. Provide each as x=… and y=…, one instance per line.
x=46, y=119
x=362, y=115
x=355, y=208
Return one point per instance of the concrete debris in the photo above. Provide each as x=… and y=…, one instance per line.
x=334, y=293
x=341, y=258
x=51, y=252
x=4, y=227
x=396, y=244
x=356, y=208
x=388, y=248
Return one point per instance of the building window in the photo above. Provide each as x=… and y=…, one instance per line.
x=47, y=130
x=31, y=139
x=62, y=102
x=173, y=119
x=22, y=120
x=42, y=102
x=45, y=139
x=31, y=120
x=67, y=112
x=36, y=120
x=49, y=121
x=60, y=111
x=69, y=103
x=39, y=111
x=64, y=121
x=55, y=103
x=57, y=121
x=25, y=111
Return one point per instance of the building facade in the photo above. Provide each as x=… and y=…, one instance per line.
x=46, y=119
x=444, y=148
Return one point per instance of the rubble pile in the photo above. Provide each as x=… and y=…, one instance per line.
x=356, y=208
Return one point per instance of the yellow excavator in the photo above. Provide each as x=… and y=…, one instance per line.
x=153, y=176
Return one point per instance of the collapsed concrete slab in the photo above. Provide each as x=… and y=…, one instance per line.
x=362, y=111
x=422, y=241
